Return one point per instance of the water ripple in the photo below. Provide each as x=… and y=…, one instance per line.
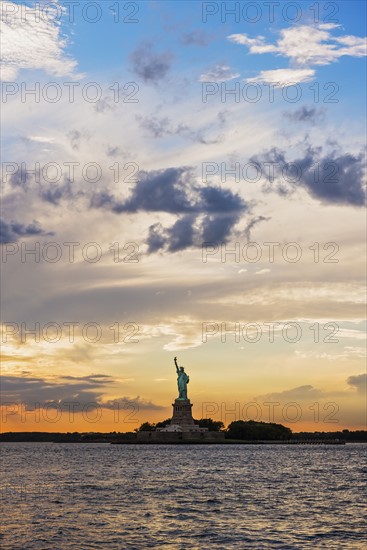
x=57, y=496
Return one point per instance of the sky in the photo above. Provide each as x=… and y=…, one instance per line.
x=183, y=179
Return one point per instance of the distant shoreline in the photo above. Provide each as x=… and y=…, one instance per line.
x=130, y=438
x=225, y=442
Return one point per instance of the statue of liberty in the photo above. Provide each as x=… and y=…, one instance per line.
x=182, y=381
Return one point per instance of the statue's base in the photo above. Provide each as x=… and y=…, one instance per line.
x=182, y=420
x=181, y=429
x=182, y=414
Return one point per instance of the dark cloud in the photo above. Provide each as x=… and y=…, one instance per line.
x=157, y=238
x=50, y=192
x=340, y=178
x=174, y=191
x=224, y=210
x=216, y=229
x=78, y=391
x=21, y=178
x=104, y=105
x=206, y=141
x=222, y=117
x=34, y=391
x=358, y=381
x=252, y=224
x=333, y=179
x=306, y=114
x=157, y=191
x=218, y=200
x=11, y=232
x=161, y=127
x=197, y=37
x=179, y=236
x=76, y=137
x=54, y=194
x=114, y=151
x=151, y=67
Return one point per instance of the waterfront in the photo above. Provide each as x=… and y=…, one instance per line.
x=58, y=496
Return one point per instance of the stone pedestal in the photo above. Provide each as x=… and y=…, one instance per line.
x=181, y=429
x=182, y=414
x=182, y=420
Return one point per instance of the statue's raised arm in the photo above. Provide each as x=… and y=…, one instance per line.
x=175, y=360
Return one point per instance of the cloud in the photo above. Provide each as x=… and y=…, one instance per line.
x=308, y=391
x=39, y=392
x=90, y=378
x=355, y=351
x=151, y=67
x=348, y=352
x=305, y=46
x=104, y=105
x=181, y=234
x=300, y=392
x=217, y=228
x=358, y=381
x=224, y=210
x=283, y=77
x=29, y=43
x=138, y=402
x=161, y=127
x=333, y=178
x=197, y=37
x=175, y=238
x=339, y=406
x=32, y=391
x=55, y=193
x=11, y=232
x=252, y=223
x=174, y=191
x=305, y=114
x=76, y=138
x=183, y=333
x=256, y=45
x=40, y=139
x=219, y=73
x=157, y=238
x=114, y=151
x=352, y=333
x=48, y=192
x=157, y=191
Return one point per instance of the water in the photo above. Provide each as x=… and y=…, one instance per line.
x=61, y=496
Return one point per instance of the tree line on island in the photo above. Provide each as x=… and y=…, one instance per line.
x=238, y=430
